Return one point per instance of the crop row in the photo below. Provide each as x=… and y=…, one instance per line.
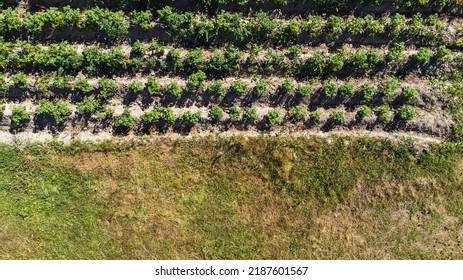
x=56, y=114
x=390, y=90
x=224, y=27
x=305, y=6
x=141, y=58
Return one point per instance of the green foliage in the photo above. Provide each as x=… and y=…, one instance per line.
x=406, y=113
x=111, y=23
x=304, y=90
x=190, y=118
x=367, y=92
x=288, y=86
x=194, y=59
x=107, y=88
x=19, y=116
x=409, y=93
x=346, y=89
x=138, y=49
x=234, y=113
x=19, y=80
x=297, y=113
x=382, y=112
x=390, y=87
x=316, y=116
x=2, y=109
x=294, y=52
x=156, y=114
x=423, y=55
x=135, y=87
x=216, y=112
x=82, y=85
x=196, y=80
x=141, y=19
x=239, y=87
x=261, y=87
x=105, y=112
x=173, y=89
x=3, y=84
x=153, y=86
x=338, y=117
x=365, y=111
x=396, y=52
x=251, y=114
x=125, y=120
x=89, y=106
x=59, y=110
x=442, y=52
x=173, y=56
x=217, y=88
x=329, y=89
x=273, y=117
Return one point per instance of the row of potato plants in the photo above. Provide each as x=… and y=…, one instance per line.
x=107, y=88
x=59, y=111
x=338, y=6
x=224, y=26
x=221, y=63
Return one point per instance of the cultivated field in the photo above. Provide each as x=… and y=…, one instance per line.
x=231, y=129
x=95, y=69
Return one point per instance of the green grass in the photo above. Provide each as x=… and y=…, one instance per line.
x=261, y=198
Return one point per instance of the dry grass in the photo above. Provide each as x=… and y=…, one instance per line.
x=258, y=199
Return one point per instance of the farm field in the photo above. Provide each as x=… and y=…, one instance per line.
x=222, y=129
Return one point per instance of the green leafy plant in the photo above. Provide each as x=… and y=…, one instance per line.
x=194, y=59
x=406, y=113
x=88, y=106
x=190, y=118
x=346, y=89
x=260, y=87
x=250, y=114
x=338, y=117
x=138, y=49
x=396, y=52
x=304, y=90
x=273, y=117
x=329, y=89
x=19, y=116
x=216, y=112
x=125, y=120
x=390, y=87
x=173, y=89
x=156, y=114
x=409, y=93
x=59, y=110
x=107, y=88
x=173, y=56
x=423, y=55
x=3, y=85
x=196, y=80
x=382, y=113
x=288, y=86
x=234, y=113
x=141, y=19
x=297, y=113
x=82, y=85
x=316, y=116
x=19, y=80
x=367, y=92
x=135, y=87
x=365, y=111
x=239, y=87
x=153, y=86
x=217, y=88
